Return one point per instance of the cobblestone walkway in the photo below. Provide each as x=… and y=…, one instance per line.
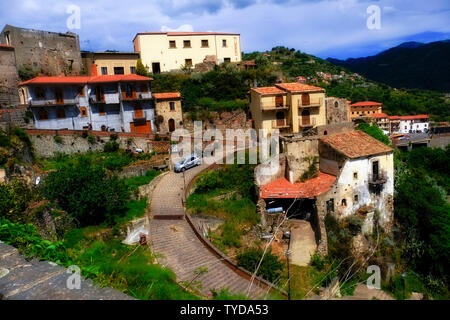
x=180, y=248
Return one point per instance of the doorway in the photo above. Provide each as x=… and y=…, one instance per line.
x=280, y=119
x=305, y=99
x=375, y=170
x=305, y=117
x=156, y=67
x=171, y=125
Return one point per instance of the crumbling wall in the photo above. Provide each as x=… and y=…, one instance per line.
x=9, y=78
x=300, y=154
x=338, y=110
x=51, y=53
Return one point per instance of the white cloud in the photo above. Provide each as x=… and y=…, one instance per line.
x=184, y=27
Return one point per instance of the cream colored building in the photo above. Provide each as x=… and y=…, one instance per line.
x=168, y=112
x=289, y=107
x=109, y=63
x=167, y=51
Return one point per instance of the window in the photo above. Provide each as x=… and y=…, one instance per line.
x=83, y=112
x=336, y=104
x=172, y=106
x=187, y=43
x=133, y=70
x=119, y=70
x=226, y=60
x=356, y=198
x=59, y=97
x=344, y=202
x=39, y=93
x=60, y=113
x=101, y=110
x=43, y=114
x=188, y=62
x=99, y=94
x=224, y=43
x=205, y=44
x=355, y=175
x=8, y=40
x=172, y=44
x=81, y=91
x=104, y=71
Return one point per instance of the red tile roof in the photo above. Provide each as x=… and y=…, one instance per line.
x=419, y=116
x=167, y=95
x=355, y=144
x=282, y=188
x=268, y=90
x=394, y=118
x=186, y=33
x=85, y=79
x=6, y=46
x=298, y=87
x=378, y=115
x=365, y=103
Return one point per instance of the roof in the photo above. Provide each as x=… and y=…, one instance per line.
x=84, y=79
x=167, y=95
x=4, y=46
x=394, y=118
x=282, y=188
x=419, y=116
x=268, y=90
x=85, y=53
x=378, y=115
x=298, y=87
x=365, y=103
x=355, y=144
x=186, y=33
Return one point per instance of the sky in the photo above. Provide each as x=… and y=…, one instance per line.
x=325, y=28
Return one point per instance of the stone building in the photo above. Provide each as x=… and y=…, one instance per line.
x=168, y=111
x=8, y=77
x=337, y=110
x=340, y=174
x=50, y=53
x=120, y=103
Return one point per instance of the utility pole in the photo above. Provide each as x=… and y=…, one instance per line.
x=288, y=253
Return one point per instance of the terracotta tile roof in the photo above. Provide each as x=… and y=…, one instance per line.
x=185, y=33
x=167, y=95
x=378, y=115
x=394, y=118
x=365, y=103
x=355, y=144
x=84, y=79
x=282, y=188
x=6, y=46
x=298, y=87
x=268, y=90
x=419, y=116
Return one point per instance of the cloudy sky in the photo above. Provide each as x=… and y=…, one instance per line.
x=326, y=28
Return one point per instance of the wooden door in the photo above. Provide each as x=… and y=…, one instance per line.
x=138, y=112
x=171, y=125
x=140, y=127
x=280, y=119
x=305, y=117
x=305, y=99
x=59, y=97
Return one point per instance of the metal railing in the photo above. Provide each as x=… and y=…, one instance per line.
x=139, y=115
x=49, y=102
x=274, y=107
x=312, y=103
x=280, y=123
x=306, y=122
x=378, y=178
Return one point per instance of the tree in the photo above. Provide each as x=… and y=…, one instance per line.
x=140, y=69
x=374, y=132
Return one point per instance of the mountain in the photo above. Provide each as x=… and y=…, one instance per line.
x=409, y=65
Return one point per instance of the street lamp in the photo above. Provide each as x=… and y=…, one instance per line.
x=288, y=253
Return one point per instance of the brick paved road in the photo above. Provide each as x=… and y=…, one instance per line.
x=178, y=245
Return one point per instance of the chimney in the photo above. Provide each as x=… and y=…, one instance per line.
x=94, y=69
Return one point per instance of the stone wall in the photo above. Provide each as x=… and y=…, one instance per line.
x=163, y=113
x=9, y=78
x=14, y=117
x=338, y=110
x=51, y=53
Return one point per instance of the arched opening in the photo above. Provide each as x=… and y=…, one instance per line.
x=104, y=128
x=171, y=125
x=280, y=118
x=306, y=117
x=344, y=202
x=83, y=112
x=325, y=133
x=336, y=104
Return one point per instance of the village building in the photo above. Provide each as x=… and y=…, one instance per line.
x=414, y=124
x=168, y=111
x=9, y=77
x=365, y=109
x=394, y=124
x=300, y=79
x=382, y=121
x=120, y=103
x=343, y=173
x=337, y=110
x=109, y=62
x=288, y=107
x=49, y=53
x=167, y=51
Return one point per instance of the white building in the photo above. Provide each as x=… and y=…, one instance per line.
x=413, y=124
x=166, y=51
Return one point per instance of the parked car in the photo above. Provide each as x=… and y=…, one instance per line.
x=188, y=162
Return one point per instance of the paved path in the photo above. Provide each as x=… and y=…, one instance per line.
x=42, y=280
x=180, y=248
x=302, y=243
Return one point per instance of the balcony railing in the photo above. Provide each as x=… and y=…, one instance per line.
x=140, y=115
x=305, y=122
x=269, y=107
x=377, y=179
x=47, y=102
x=313, y=103
x=280, y=123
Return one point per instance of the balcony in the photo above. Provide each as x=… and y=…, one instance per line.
x=313, y=103
x=137, y=96
x=53, y=102
x=306, y=122
x=271, y=107
x=280, y=123
x=139, y=115
x=377, y=179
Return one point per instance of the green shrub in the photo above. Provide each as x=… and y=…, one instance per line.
x=270, y=268
x=111, y=146
x=58, y=139
x=14, y=199
x=117, y=161
x=22, y=135
x=91, y=139
x=4, y=140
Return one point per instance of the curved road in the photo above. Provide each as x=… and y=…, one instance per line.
x=173, y=238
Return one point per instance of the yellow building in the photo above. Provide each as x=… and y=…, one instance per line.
x=109, y=63
x=166, y=51
x=365, y=109
x=289, y=107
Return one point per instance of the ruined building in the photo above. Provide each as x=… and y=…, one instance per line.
x=8, y=77
x=49, y=53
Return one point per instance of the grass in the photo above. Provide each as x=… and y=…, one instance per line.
x=303, y=280
x=134, y=182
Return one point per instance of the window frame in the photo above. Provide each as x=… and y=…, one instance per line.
x=187, y=42
x=207, y=43
x=104, y=71
x=174, y=44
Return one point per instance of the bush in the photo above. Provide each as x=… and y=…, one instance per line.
x=91, y=139
x=14, y=199
x=23, y=136
x=58, y=139
x=270, y=268
x=4, y=140
x=87, y=193
x=111, y=146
